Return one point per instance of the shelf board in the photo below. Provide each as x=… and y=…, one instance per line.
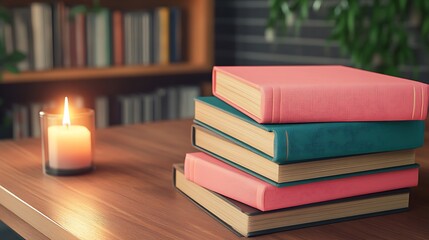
x=69, y=74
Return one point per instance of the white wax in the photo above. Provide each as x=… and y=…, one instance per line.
x=69, y=147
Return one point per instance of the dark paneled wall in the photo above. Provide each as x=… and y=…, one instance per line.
x=240, y=39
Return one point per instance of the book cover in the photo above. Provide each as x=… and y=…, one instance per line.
x=288, y=94
x=247, y=221
x=217, y=176
x=307, y=141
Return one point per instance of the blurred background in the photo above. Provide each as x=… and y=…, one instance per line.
x=144, y=61
x=384, y=36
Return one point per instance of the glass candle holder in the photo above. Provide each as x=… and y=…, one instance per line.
x=67, y=149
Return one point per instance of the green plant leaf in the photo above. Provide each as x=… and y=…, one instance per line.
x=304, y=9
x=425, y=27
x=2, y=50
x=402, y=4
x=15, y=57
x=76, y=10
x=373, y=35
x=351, y=24
x=316, y=5
x=98, y=9
x=96, y=3
x=5, y=15
x=11, y=68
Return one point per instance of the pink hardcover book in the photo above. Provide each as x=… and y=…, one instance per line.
x=288, y=94
x=226, y=180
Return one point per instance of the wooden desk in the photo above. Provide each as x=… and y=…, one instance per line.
x=130, y=195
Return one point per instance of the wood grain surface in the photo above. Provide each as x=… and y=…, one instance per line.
x=130, y=195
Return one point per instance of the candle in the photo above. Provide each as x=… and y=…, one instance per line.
x=69, y=146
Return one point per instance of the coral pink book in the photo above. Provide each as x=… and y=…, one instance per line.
x=224, y=179
x=288, y=94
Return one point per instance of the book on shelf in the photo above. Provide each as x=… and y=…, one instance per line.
x=287, y=143
x=20, y=121
x=162, y=23
x=6, y=36
x=246, y=159
x=22, y=34
x=57, y=26
x=187, y=94
x=160, y=104
x=247, y=221
x=147, y=105
x=41, y=19
x=290, y=94
x=102, y=36
x=166, y=103
x=52, y=37
x=118, y=37
x=175, y=32
x=35, y=108
x=172, y=103
x=101, y=112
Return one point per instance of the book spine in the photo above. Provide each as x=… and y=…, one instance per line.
x=118, y=37
x=73, y=43
x=164, y=35
x=21, y=32
x=372, y=103
x=175, y=23
x=146, y=47
x=66, y=37
x=57, y=28
x=293, y=104
x=127, y=38
x=139, y=37
x=101, y=112
x=226, y=180
x=343, y=139
x=48, y=38
x=80, y=40
x=38, y=35
x=102, y=39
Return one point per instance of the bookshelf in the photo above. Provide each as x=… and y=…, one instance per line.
x=114, y=72
x=30, y=89
x=197, y=37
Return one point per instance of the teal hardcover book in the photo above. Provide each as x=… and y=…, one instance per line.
x=291, y=143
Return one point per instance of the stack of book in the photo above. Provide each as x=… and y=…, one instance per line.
x=294, y=146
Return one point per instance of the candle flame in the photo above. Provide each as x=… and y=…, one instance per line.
x=66, y=116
